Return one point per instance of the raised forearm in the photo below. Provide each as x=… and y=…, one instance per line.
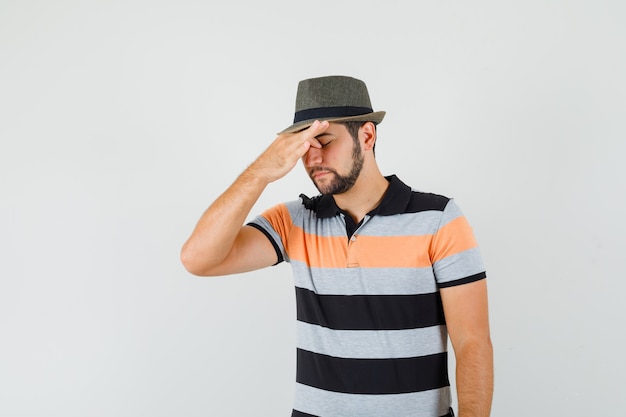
x=474, y=378
x=215, y=232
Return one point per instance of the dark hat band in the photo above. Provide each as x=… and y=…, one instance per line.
x=326, y=112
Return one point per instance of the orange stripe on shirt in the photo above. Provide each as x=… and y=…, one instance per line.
x=392, y=251
x=455, y=237
x=363, y=252
x=280, y=219
x=370, y=251
x=317, y=251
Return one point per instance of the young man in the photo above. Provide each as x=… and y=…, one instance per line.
x=383, y=273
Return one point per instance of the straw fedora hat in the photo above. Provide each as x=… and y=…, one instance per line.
x=334, y=98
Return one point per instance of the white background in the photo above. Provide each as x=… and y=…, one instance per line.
x=121, y=121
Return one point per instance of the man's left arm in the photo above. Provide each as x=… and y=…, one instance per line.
x=467, y=318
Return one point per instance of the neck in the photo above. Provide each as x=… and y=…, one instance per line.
x=364, y=196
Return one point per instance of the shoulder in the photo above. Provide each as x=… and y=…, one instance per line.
x=402, y=198
x=446, y=208
x=289, y=211
x=425, y=201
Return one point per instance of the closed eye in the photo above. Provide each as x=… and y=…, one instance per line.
x=326, y=136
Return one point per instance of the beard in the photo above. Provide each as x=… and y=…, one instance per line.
x=340, y=183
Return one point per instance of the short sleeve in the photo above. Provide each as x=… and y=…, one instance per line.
x=454, y=252
x=275, y=223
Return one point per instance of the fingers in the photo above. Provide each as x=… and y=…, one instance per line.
x=307, y=138
x=301, y=141
x=283, y=154
x=314, y=130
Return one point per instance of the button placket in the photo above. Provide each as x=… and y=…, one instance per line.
x=353, y=259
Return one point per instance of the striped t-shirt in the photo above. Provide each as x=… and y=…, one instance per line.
x=371, y=332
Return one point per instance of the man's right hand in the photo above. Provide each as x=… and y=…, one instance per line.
x=283, y=154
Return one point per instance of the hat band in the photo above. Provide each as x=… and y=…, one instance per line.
x=324, y=112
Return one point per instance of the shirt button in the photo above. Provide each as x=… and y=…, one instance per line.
x=353, y=238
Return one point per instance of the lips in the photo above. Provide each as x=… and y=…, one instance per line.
x=318, y=174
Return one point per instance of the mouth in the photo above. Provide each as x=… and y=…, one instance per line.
x=316, y=173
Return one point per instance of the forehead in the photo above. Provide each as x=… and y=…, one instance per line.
x=335, y=129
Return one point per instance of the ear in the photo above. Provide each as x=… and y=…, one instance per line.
x=367, y=135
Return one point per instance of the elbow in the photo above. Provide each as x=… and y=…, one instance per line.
x=479, y=349
x=482, y=343
x=188, y=261
x=193, y=262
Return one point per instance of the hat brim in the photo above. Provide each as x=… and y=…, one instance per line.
x=375, y=117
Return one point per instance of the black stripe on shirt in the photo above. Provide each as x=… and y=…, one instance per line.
x=372, y=376
x=466, y=280
x=369, y=312
x=279, y=255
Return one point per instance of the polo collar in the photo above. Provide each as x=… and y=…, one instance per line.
x=395, y=201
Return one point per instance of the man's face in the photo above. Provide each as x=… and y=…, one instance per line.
x=336, y=166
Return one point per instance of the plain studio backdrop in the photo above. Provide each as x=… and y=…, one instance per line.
x=121, y=121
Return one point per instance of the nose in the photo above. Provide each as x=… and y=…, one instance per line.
x=312, y=157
